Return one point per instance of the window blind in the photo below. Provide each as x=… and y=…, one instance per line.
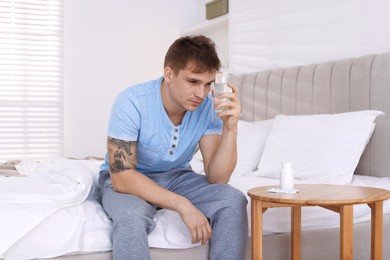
x=31, y=106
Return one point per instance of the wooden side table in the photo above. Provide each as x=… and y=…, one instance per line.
x=338, y=198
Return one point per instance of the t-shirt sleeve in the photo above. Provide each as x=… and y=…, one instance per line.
x=124, y=119
x=215, y=127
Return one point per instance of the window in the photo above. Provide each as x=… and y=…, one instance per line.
x=31, y=106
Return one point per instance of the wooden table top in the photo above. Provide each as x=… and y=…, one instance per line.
x=322, y=194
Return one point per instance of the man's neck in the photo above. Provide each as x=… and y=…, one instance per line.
x=174, y=113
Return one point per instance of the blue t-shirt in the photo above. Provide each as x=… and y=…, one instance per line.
x=138, y=115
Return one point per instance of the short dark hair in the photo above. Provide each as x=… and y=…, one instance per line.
x=199, y=50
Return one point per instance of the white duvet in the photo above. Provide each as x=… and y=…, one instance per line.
x=45, y=189
x=54, y=211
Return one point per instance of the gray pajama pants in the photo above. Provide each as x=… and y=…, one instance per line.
x=132, y=217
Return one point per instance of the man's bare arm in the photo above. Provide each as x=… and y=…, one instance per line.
x=220, y=153
x=123, y=155
x=122, y=159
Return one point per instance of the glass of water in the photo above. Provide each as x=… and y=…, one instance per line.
x=222, y=78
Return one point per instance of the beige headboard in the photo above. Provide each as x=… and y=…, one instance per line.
x=332, y=87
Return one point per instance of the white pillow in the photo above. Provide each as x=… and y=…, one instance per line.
x=251, y=137
x=323, y=148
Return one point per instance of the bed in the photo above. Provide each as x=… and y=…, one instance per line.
x=39, y=219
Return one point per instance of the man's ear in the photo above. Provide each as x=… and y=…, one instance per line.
x=168, y=73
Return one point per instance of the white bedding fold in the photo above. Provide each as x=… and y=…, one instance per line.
x=45, y=188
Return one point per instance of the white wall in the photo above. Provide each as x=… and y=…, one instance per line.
x=110, y=45
x=280, y=33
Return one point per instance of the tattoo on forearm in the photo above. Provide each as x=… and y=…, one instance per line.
x=122, y=155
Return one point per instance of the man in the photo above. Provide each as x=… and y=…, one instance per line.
x=153, y=131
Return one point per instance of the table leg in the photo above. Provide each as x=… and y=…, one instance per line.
x=346, y=232
x=296, y=233
x=257, y=229
x=376, y=230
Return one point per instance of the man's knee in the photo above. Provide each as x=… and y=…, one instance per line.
x=134, y=223
x=128, y=212
x=237, y=195
x=232, y=196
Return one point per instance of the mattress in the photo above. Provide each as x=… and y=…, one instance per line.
x=82, y=227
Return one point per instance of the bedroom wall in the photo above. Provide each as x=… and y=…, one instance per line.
x=271, y=34
x=110, y=45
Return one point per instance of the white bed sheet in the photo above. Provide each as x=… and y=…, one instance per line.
x=85, y=228
x=45, y=189
x=74, y=228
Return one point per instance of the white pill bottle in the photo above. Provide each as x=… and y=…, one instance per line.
x=287, y=176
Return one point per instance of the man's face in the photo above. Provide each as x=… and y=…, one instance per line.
x=188, y=89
